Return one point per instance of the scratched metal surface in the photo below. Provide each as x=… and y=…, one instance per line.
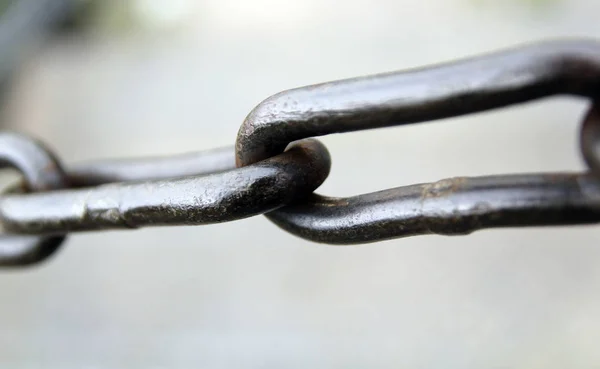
x=247, y=294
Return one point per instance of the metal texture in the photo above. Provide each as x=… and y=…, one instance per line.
x=41, y=172
x=456, y=206
x=467, y=86
x=590, y=138
x=192, y=200
x=150, y=168
x=181, y=190
x=447, y=90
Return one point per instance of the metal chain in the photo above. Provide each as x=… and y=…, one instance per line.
x=206, y=187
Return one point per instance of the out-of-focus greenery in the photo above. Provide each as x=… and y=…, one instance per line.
x=111, y=15
x=4, y=4
x=118, y=15
x=536, y=3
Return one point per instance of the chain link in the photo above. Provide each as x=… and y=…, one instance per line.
x=206, y=187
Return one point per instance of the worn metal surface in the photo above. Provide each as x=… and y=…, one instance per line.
x=178, y=191
x=454, y=206
x=191, y=200
x=590, y=138
x=468, y=86
x=41, y=172
x=245, y=294
x=473, y=85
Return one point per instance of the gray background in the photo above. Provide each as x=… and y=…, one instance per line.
x=181, y=76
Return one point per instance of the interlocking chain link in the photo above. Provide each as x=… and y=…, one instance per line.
x=206, y=187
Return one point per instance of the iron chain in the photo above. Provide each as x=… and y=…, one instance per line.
x=265, y=174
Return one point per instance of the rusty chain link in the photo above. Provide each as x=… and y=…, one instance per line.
x=206, y=187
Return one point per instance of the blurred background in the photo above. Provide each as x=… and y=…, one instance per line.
x=109, y=79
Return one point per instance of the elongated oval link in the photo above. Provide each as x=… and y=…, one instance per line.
x=467, y=86
x=450, y=206
x=41, y=172
x=188, y=200
x=456, y=206
x=447, y=90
